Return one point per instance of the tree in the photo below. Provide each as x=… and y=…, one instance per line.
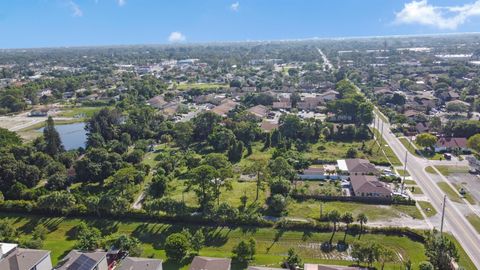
x=8, y=137
x=197, y=241
x=8, y=233
x=183, y=133
x=277, y=204
x=221, y=138
x=244, y=251
x=57, y=201
x=293, y=260
x=176, y=247
x=204, y=125
x=425, y=266
x=334, y=217
x=166, y=139
x=235, y=152
x=125, y=242
x=258, y=166
x=280, y=168
x=474, y=142
x=440, y=250
x=386, y=255
x=362, y=219
x=426, y=140
x=347, y=218
x=351, y=153
x=53, y=143
x=295, y=98
x=88, y=239
x=202, y=181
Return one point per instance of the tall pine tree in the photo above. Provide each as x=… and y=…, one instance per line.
x=53, y=143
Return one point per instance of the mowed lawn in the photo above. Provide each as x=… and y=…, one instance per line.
x=272, y=244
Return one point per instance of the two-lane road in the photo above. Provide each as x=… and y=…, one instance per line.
x=455, y=222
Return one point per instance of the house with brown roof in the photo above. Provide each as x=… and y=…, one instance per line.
x=14, y=258
x=157, y=102
x=451, y=144
x=209, y=263
x=369, y=186
x=225, y=107
x=258, y=111
x=356, y=166
x=132, y=263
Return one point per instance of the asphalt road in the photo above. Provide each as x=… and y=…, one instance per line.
x=455, y=222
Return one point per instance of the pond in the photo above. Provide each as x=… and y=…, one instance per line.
x=73, y=135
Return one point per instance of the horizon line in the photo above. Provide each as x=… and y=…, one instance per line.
x=179, y=44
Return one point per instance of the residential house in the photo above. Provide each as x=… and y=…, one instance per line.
x=451, y=144
x=328, y=96
x=309, y=266
x=369, y=186
x=132, y=263
x=422, y=127
x=77, y=260
x=281, y=105
x=157, y=102
x=225, y=107
x=356, y=166
x=259, y=111
x=14, y=258
x=208, y=263
x=268, y=125
x=318, y=173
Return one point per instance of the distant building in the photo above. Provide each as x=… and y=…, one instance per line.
x=157, y=102
x=208, y=263
x=14, y=258
x=282, y=105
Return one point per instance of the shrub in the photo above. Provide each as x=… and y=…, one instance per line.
x=176, y=247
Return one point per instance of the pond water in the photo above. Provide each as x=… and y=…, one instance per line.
x=73, y=135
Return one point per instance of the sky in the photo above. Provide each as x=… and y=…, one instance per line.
x=53, y=23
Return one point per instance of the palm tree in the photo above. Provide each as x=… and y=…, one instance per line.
x=334, y=217
x=362, y=218
x=347, y=218
x=258, y=167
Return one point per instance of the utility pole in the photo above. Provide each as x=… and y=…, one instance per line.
x=321, y=211
x=443, y=213
x=404, y=170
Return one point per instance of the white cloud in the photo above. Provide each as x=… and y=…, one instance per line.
x=76, y=11
x=446, y=17
x=121, y=2
x=235, y=6
x=176, y=37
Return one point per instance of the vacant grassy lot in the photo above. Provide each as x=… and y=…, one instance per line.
x=386, y=148
x=452, y=195
x=447, y=170
x=272, y=244
x=427, y=208
x=311, y=209
x=408, y=145
x=475, y=221
x=81, y=112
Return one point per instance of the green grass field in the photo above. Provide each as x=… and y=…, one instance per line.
x=403, y=173
x=85, y=112
x=452, y=195
x=475, y=221
x=430, y=170
x=408, y=146
x=446, y=170
x=311, y=209
x=388, y=151
x=427, y=208
x=272, y=244
x=416, y=190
